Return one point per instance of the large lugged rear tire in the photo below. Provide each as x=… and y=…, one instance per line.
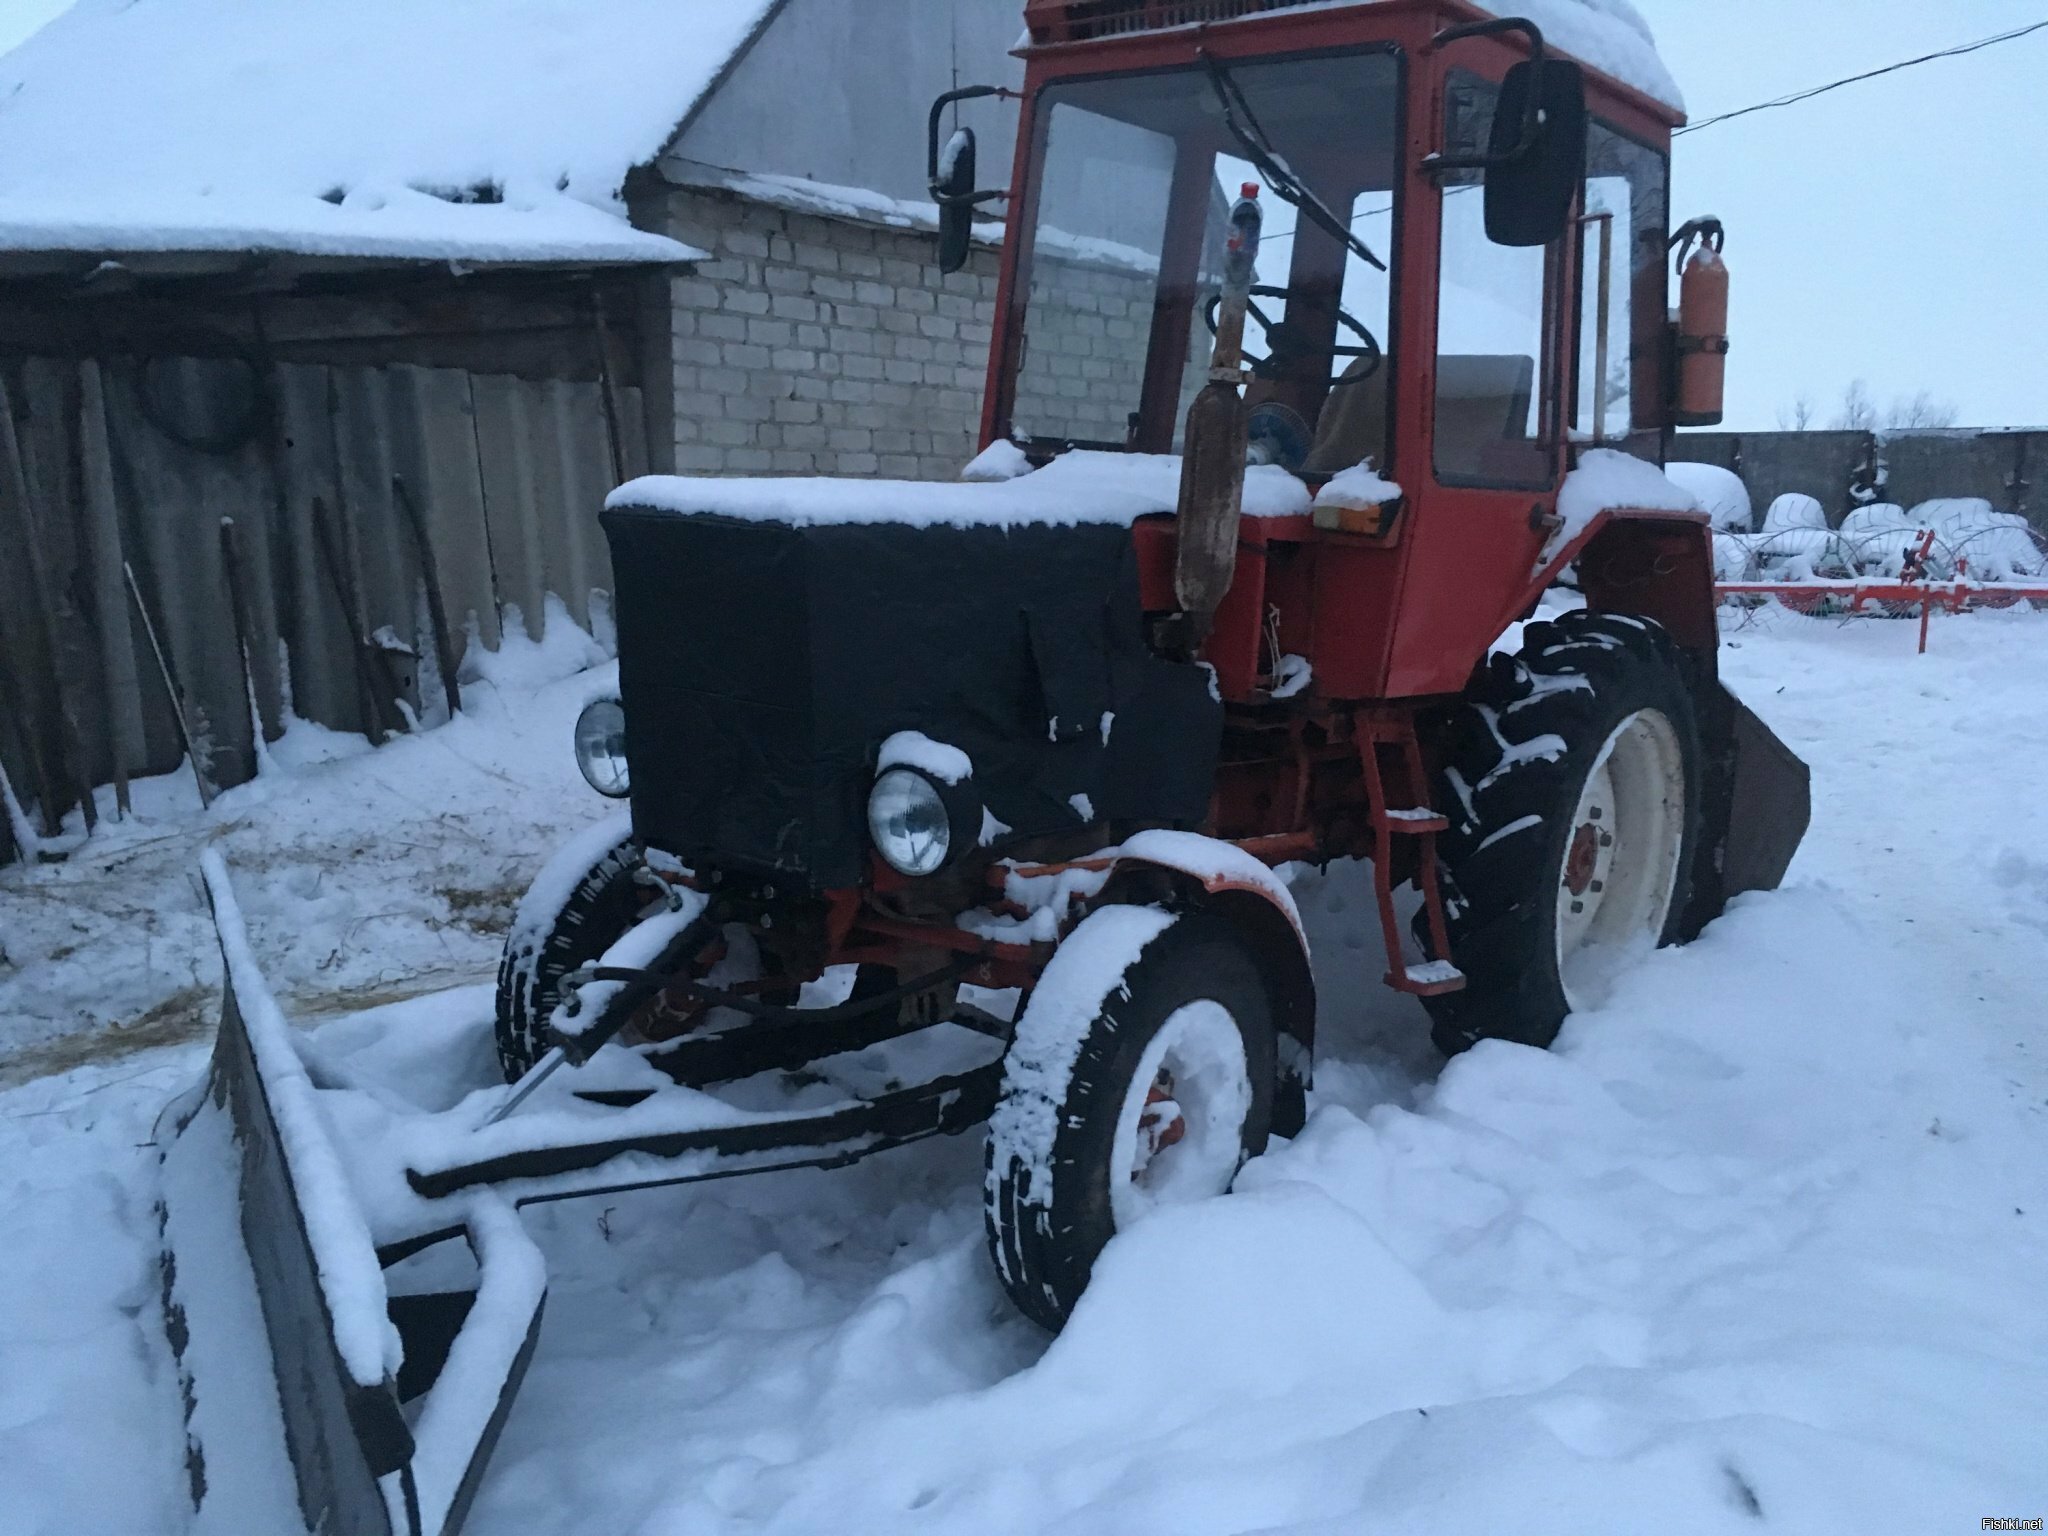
x=1142, y=1075
x=578, y=906
x=1573, y=788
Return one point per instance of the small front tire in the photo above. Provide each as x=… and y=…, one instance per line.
x=1154, y=1099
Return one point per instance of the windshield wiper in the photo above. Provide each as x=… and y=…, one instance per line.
x=1288, y=187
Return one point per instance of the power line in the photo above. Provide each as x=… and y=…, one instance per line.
x=1798, y=96
x=1869, y=74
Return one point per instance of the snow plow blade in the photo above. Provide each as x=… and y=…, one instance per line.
x=315, y=1398
x=1759, y=802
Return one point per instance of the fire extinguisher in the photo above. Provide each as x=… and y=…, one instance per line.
x=1702, y=329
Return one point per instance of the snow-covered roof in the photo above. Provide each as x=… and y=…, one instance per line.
x=473, y=130
x=1608, y=35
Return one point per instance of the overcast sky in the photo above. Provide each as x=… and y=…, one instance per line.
x=1895, y=231
x=18, y=18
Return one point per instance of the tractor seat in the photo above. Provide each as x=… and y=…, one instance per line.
x=1482, y=418
x=1482, y=404
x=1353, y=425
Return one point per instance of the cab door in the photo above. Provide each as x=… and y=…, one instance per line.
x=1483, y=472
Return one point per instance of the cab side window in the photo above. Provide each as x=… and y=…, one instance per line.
x=1619, y=365
x=1490, y=374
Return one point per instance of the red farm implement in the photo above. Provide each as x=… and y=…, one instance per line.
x=1914, y=591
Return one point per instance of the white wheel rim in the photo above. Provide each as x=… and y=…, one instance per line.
x=1619, y=874
x=1180, y=1133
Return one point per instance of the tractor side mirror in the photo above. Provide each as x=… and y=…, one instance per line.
x=1537, y=157
x=950, y=173
x=1536, y=154
x=953, y=191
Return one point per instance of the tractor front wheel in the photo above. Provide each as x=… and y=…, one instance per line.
x=580, y=904
x=1574, y=795
x=1142, y=1076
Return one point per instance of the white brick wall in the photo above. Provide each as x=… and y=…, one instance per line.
x=810, y=345
x=822, y=346
x=1084, y=369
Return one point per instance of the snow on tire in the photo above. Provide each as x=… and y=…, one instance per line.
x=583, y=899
x=1142, y=1075
x=1574, y=795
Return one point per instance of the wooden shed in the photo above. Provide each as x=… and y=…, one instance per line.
x=334, y=324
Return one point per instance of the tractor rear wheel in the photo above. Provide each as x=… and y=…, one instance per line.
x=1574, y=793
x=1141, y=1077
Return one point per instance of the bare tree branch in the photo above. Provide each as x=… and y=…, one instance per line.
x=1924, y=409
x=1858, y=412
x=1798, y=416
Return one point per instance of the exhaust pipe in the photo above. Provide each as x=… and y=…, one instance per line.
x=1217, y=438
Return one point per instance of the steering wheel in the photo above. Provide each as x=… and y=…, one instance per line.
x=1286, y=343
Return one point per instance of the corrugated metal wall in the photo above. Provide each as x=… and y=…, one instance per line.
x=108, y=460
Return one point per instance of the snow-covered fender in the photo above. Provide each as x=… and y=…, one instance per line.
x=1641, y=561
x=1642, y=545
x=1256, y=901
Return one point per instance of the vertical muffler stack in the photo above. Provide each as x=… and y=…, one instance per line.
x=1217, y=437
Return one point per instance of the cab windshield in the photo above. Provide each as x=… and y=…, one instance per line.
x=1137, y=176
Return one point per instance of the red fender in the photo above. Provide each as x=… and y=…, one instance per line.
x=1257, y=902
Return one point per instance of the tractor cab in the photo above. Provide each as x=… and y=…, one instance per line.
x=1401, y=205
x=1461, y=280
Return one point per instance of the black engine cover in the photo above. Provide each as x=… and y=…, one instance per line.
x=762, y=665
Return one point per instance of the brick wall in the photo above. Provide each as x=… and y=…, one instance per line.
x=823, y=346
x=1084, y=367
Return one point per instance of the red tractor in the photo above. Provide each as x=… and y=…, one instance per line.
x=1012, y=764
x=1223, y=595
x=1215, y=607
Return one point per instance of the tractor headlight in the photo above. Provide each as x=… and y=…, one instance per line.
x=910, y=821
x=601, y=747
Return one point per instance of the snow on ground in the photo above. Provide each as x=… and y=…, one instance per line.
x=1757, y=1248
x=363, y=874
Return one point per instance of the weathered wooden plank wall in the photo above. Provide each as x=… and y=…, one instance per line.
x=508, y=474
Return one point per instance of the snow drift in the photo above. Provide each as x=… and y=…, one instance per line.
x=1720, y=491
x=1757, y=1248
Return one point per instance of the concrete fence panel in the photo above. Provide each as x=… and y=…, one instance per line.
x=2009, y=469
